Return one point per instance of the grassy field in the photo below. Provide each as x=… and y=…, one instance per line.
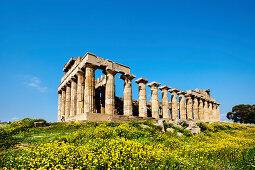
x=107, y=145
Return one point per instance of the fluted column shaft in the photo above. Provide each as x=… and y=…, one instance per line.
x=142, y=97
x=182, y=106
x=102, y=100
x=174, y=102
x=80, y=93
x=201, y=109
x=206, y=111
x=189, y=107
x=110, y=92
x=154, y=99
x=73, y=97
x=218, y=112
x=214, y=112
x=165, y=101
x=195, y=108
x=127, y=94
x=63, y=103
x=68, y=102
x=89, y=92
x=210, y=111
x=59, y=105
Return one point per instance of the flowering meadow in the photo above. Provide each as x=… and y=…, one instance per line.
x=106, y=145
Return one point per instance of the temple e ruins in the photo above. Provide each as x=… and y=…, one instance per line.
x=84, y=98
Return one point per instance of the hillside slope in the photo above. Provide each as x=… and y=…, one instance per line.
x=126, y=145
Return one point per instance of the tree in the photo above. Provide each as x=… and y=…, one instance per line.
x=242, y=113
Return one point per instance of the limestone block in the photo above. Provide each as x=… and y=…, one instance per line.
x=170, y=130
x=179, y=134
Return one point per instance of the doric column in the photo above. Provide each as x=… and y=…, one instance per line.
x=182, y=104
x=218, y=111
x=127, y=94
x=206, y=110
x=73, y=97
x=89, y=92
x=59, y=104
x=210, y=111
x=80, y=92
x=142, y=96
x=165, y=101
x=201, y=108
x=68, y=101
x=214, y=111
x=154, y=99
x=102, y=100
x=189, y=106
x=174, y=102
x=195, y=107
x=63, y=103
x=110, y=92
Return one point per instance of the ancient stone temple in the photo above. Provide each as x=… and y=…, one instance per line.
x=82, y=97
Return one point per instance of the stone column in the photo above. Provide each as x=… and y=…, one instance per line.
x=189, y=106
x=127, y=94
x=80, y=92
x=102, y=100
x=214, y=111
x=201, y=109
x=63, y=103
x=165, y=101
x=182, y=104
x=68, y=101
x=218, y=111
x=174, y=103
x=89, y=92
x=59, y=105
x=73, y=97
x=206, y=110
x=110, y=92
x=195, y=108
x=210, y=111
x=142, y=102
x=154, y=99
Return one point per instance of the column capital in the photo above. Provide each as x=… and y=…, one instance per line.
x=141, y=80
x=153, y=84
x=181, y=93
x=165, y=87
x=80, y=72
x=73, y=78
x=189, y=95
x=127, y=76
x=59, y=91
x=68, y=83
x=109, y=71
x=90, y=65
x=174, y=90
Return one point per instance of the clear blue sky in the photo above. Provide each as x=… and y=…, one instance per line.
x=185, y=44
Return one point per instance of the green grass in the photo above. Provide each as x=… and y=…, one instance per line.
x=125, y=145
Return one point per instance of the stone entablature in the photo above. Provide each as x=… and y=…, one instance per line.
x=82, y=97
